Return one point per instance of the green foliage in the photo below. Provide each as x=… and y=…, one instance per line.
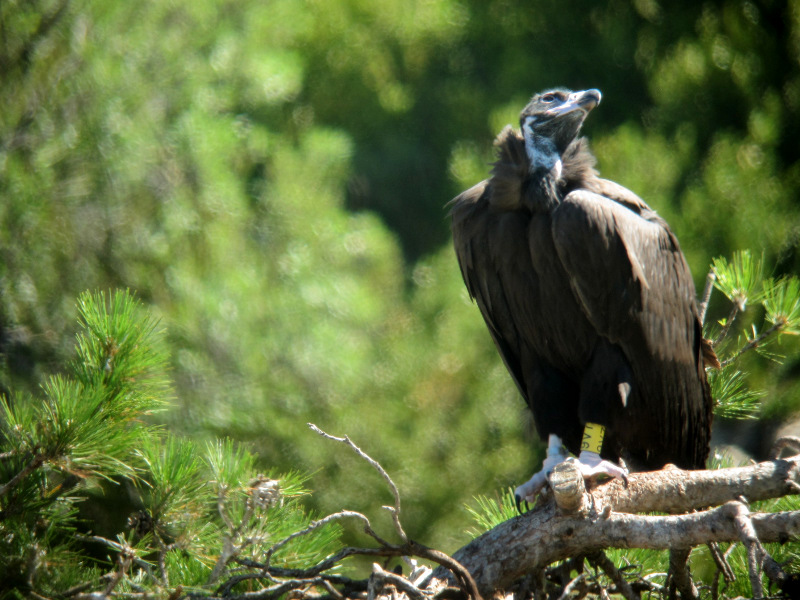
x=198, y=510
x=83, y=427
x=269, y=177
x=490, y=512
x=782, y=304
x=122, y=351
x=733, y=397
x=776, y=301
x=741, y=279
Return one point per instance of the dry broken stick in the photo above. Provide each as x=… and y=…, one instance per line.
x=589, y=523
x=315, y=576
x=394, y=510
x=409, y=547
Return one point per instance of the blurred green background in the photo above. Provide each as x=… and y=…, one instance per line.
x=269, y=177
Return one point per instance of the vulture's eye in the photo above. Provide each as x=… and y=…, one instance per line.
x=548, y=98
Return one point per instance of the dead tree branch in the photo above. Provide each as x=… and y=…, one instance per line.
x=545, y=535
x=513, y=559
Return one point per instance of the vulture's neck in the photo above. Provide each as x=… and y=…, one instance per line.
x=569, y=171
x=545, y=168
x=532, y=175
x=544, y=160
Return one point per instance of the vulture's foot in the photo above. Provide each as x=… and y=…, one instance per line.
x=591, y=465
x=528, y=491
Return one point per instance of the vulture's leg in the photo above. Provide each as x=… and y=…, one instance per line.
x=590, y=463
x=589, y=460
x=556, y=453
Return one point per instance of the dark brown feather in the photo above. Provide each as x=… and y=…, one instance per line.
x=591, y=305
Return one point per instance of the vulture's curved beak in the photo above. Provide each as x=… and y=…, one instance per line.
x=583, y=101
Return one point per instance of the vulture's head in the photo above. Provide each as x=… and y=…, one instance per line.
x=552, y=120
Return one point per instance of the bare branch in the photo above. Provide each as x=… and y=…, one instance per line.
x=345, y=514
x=740, y=515
x=679, y=577
x=116, y=546
x=676, y=491
x=572, y=585
x=787, y=442
x=728, y=322
x=543, y=536
x=395, y=511
x=515, y=554
x=721, y=561
x=703, y=306
x=623, y=587
x=381, y=576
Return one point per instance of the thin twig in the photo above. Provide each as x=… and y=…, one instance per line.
x=572, y=585
x=754, y=343
x=774, y=571
x=222, y=512
x=124, y=561
x=275, y=591
x=599, y=559
x=740, y=515
x=723, y=568
x=537, y=584
x=401, y=583
x=679, y=572
x=77, y=589
x=144, y=565
x=229, y=550
x=721, y=562
x=344, y=514
x=395, y=511
x=336, y=594
x=34, y=464
x=463, y=576
x=703, y=307
x=789, y=442
x=728, y=322
x=163, y=550
x=307, y=575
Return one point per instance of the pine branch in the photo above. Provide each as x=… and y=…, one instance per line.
x=607, y=519
x=703, y=306
x=754, y=343
x=727, y=326
x=33, y=464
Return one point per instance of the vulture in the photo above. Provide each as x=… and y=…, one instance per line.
x=589, y=300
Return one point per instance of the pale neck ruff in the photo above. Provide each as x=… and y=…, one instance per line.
x=542, y=152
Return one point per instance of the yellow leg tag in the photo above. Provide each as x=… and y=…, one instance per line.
x=593, y=437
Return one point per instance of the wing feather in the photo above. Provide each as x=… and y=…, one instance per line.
x=627, y=270
x=478, y=246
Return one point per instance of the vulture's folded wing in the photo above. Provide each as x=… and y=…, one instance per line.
x=627, y=270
